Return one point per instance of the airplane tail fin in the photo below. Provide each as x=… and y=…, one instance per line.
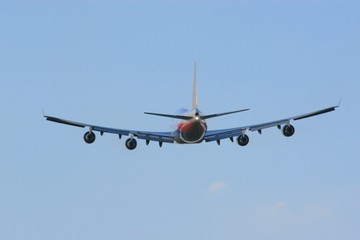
x=195, y=97
x=195, y=107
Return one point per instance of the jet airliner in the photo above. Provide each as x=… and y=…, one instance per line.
x=192, y=127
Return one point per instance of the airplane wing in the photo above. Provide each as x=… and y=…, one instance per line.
x=148, y=136
x=217, y=135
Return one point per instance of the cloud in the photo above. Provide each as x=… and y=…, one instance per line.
x=315, y=211
x=281, y=209
x=216, y=187
x=273, y=209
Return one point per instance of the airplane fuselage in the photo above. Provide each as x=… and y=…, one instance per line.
x=191, y=131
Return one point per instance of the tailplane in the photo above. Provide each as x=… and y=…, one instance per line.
x=222, y=114
x=195, y=107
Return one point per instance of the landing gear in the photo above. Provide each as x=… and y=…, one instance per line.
x=243, y=140
x=89, y=137
x=288, y=130
x=131, y=143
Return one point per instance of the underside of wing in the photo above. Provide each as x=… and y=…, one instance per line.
x=278, y=123
x=287, y=129
x=215, y=135
x=90, y=126
x=89, y=137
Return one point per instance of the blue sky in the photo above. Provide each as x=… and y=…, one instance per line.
x=106, y=62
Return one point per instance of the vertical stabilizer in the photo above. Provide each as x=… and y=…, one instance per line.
x=195, y=97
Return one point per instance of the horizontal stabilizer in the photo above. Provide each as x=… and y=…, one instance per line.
x=222, y=114
x=170, y=116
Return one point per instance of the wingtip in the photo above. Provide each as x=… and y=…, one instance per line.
x=339, y=102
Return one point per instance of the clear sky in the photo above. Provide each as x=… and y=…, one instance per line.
x=106, y=62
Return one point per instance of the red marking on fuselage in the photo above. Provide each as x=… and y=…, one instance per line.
x=188, y=126
x=192, y=131
x=185, y=126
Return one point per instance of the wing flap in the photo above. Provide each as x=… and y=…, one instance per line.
x=155, y=137
x=222, y=134
x=261, y=126
x=111, y=130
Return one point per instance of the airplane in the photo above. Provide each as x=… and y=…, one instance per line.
x=192, y=128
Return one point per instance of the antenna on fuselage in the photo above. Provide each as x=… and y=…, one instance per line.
x=195, y=97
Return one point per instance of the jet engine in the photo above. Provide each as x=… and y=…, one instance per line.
x=288, y=130
x=243, y=140
x=89, y=137
x=131, y=143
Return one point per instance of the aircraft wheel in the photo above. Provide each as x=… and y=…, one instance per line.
x=288, y=130
x=243, y=140
x=89, y=137
x=131, y=143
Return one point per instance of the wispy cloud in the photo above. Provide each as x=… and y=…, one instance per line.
x=281, y=209
x=317, y=211
x=281, y=218
x=272, y=209
x=216, y=187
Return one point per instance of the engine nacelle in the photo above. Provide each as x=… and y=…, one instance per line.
x=288, y=130
x=243, y=140
x=89, y=137
x=131, y=143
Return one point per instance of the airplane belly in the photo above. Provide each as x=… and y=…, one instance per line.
x=191, y=132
